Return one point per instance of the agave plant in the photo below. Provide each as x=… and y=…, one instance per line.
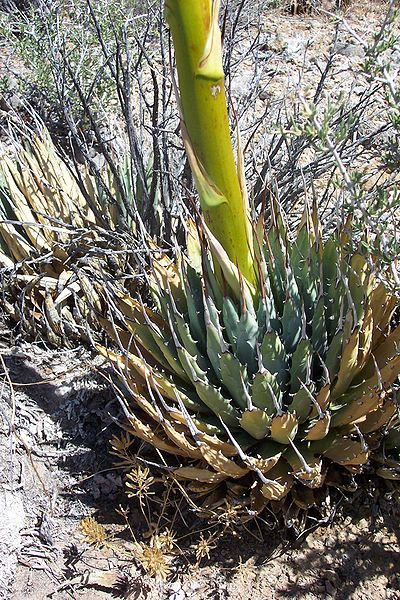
x=54, y=238
x=269, y=358
x=262, y=393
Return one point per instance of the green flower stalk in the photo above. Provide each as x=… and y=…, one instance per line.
x=205, y=126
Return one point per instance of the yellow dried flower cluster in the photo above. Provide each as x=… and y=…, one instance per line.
x=166, y=540
x=204, y=546
x=229, y=514
x=138, y=482
x=153, y=557
x=94, y=532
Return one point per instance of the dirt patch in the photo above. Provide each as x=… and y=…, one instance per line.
x=57, y=416
x=54, y=432
x=57, y=470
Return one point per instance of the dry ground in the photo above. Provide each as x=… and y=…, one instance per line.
x=56, y=469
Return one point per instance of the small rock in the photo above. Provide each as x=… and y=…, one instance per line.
x=46, y=530
x=330, y=542
x=265, y=94
x=363, y=524
x=195, y=585
x=359, y=89
x=274, y=43
x=330, y=589
x=295, y=48
x=175, y=586
x=350, y=50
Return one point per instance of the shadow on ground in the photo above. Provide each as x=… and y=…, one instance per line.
x=65, y=414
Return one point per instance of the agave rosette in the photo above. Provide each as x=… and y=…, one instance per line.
x=261, y=389
x=53, y=237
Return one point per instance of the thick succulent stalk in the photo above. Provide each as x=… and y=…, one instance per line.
x=219, y=182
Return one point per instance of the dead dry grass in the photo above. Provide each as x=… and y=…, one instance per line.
x=57, y=474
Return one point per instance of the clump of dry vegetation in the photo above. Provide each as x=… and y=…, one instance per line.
x=244, y=296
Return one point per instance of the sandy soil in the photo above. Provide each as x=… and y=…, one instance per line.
x=57, y=416
x=57, y=470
